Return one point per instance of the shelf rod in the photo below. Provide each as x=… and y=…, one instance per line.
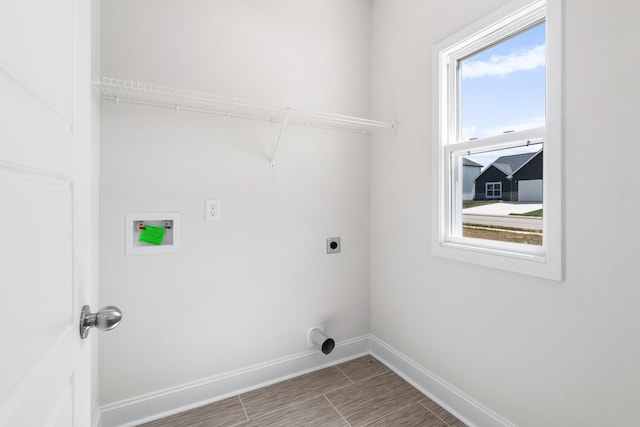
x=191, y=109
x=127, y=91
x=284, y=124
x=224, y=113
x=148, y=94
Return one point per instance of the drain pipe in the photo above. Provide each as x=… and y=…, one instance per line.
x=319, y=340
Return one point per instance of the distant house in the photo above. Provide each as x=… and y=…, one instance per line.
x=470, y=170
x=516, y=178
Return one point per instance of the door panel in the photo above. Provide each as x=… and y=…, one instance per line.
x=44, y=395
x=37, y=50
x=38, y=208
x=44, y=211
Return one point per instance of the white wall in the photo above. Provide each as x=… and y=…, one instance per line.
x=242, y=291
x=538, y=352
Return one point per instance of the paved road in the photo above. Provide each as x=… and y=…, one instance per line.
x=533, y=223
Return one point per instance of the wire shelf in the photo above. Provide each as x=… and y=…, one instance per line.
x=120, y=90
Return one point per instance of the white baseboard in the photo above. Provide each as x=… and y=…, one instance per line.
x=171, y=401
x=466, y=409
x=160, y=404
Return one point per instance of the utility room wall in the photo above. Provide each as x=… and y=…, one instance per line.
x=537, y=352
x=244, y=290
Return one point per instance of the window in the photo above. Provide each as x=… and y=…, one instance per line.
x=493, y=190
x=497, y=103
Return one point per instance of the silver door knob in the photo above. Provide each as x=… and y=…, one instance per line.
x=105, y=319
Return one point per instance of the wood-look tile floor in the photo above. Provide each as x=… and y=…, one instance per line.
x=359, y=393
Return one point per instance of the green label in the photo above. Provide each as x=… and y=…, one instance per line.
x=152, y=235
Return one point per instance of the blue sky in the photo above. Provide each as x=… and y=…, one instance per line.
x=503, y=87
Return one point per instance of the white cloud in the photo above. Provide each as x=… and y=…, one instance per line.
x=500, y=65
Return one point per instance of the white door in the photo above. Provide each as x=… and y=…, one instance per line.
x=44, y=211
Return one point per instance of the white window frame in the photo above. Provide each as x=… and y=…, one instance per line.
x=493, y=190
x=543, y=261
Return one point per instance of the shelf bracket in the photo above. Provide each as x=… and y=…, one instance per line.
x=285, y=119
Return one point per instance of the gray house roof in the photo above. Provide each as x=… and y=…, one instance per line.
x=510, y=164
x=469, y=162
x=523, y=165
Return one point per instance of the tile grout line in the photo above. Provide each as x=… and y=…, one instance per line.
x=286, y=406
x=354, y=382
x=243, y=408
x=291, y=403
x=436, y=415
x=343, y=373
x=379, y=374
x=336, y=409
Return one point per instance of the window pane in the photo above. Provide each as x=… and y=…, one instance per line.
x=502, y=88
x=502, y=195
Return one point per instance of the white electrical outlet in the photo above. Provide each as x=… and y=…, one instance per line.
x=212, y=210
